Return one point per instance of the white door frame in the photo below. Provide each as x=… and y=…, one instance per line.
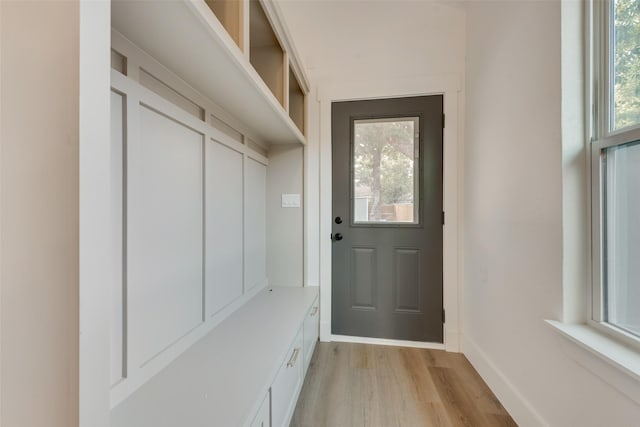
x=448, y=85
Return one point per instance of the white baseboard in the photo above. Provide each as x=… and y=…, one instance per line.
x=383, y=341
x=451, y=340
x=325, y=331
x=518, y=407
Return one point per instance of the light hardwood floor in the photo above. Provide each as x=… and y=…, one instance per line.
x=367, y=385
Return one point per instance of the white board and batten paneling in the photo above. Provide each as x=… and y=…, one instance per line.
x=256, y=224
x=225, y=230
x=116, y=342
x=188, y=208
x=164, y=234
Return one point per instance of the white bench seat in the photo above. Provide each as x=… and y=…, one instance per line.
x=223, y=378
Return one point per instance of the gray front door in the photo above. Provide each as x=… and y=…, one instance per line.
x=387, y=218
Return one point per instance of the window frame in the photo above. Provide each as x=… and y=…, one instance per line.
x=602, y=135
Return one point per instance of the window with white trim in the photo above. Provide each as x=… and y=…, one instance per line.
x=615, y=167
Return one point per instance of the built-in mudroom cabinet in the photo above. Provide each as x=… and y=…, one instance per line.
x=210, y=322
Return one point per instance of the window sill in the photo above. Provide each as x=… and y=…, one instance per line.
x=589, y=348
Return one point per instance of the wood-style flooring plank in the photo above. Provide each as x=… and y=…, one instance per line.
x=483, y=398
x=456, y=400
x=377, y=386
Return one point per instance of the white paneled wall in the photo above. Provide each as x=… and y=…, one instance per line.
x=224, y=232
x=255, y=224
x=164, y=233
x=189, y=222
x=117, y=324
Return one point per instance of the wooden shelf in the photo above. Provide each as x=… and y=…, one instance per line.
x=187, y=38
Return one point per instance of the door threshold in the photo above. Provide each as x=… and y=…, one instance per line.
x=384, y=341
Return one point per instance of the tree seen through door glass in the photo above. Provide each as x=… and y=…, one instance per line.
x=385, y=170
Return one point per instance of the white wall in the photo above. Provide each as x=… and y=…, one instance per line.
x=513, y=220
x=284, y=225
x=376, y=39
x=39, y=215
x=365, y=49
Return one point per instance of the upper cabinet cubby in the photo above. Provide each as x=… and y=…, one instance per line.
x=230, y=15
x=296, y=101
x=265, y=51
x=237, y=53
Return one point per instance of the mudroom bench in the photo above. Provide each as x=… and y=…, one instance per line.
x=248, y=371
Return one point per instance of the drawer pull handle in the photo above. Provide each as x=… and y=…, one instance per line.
x=314, y=311
x=294, y=357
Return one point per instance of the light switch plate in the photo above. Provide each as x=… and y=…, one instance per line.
x=290, y=200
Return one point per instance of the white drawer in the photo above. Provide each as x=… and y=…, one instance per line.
x=311, y=325
x=287, y=385
x=263, y=417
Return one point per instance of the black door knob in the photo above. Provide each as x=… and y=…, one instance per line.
x=338, y=220
x=337, y=236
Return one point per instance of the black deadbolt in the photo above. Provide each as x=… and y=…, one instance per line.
x=338, y=220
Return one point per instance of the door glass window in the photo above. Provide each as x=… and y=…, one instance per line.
x=385, y=169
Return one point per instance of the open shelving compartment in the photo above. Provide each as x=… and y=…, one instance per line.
x=220, y=62
x=297, y=111
x=230, y=14
x=266, y=54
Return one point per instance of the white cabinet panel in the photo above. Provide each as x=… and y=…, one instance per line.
x=117, y=296
x=164, y=233
x=255, y=224
x=263, y=417
x=223, y=244
x=287, y=385
x=311, y=325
